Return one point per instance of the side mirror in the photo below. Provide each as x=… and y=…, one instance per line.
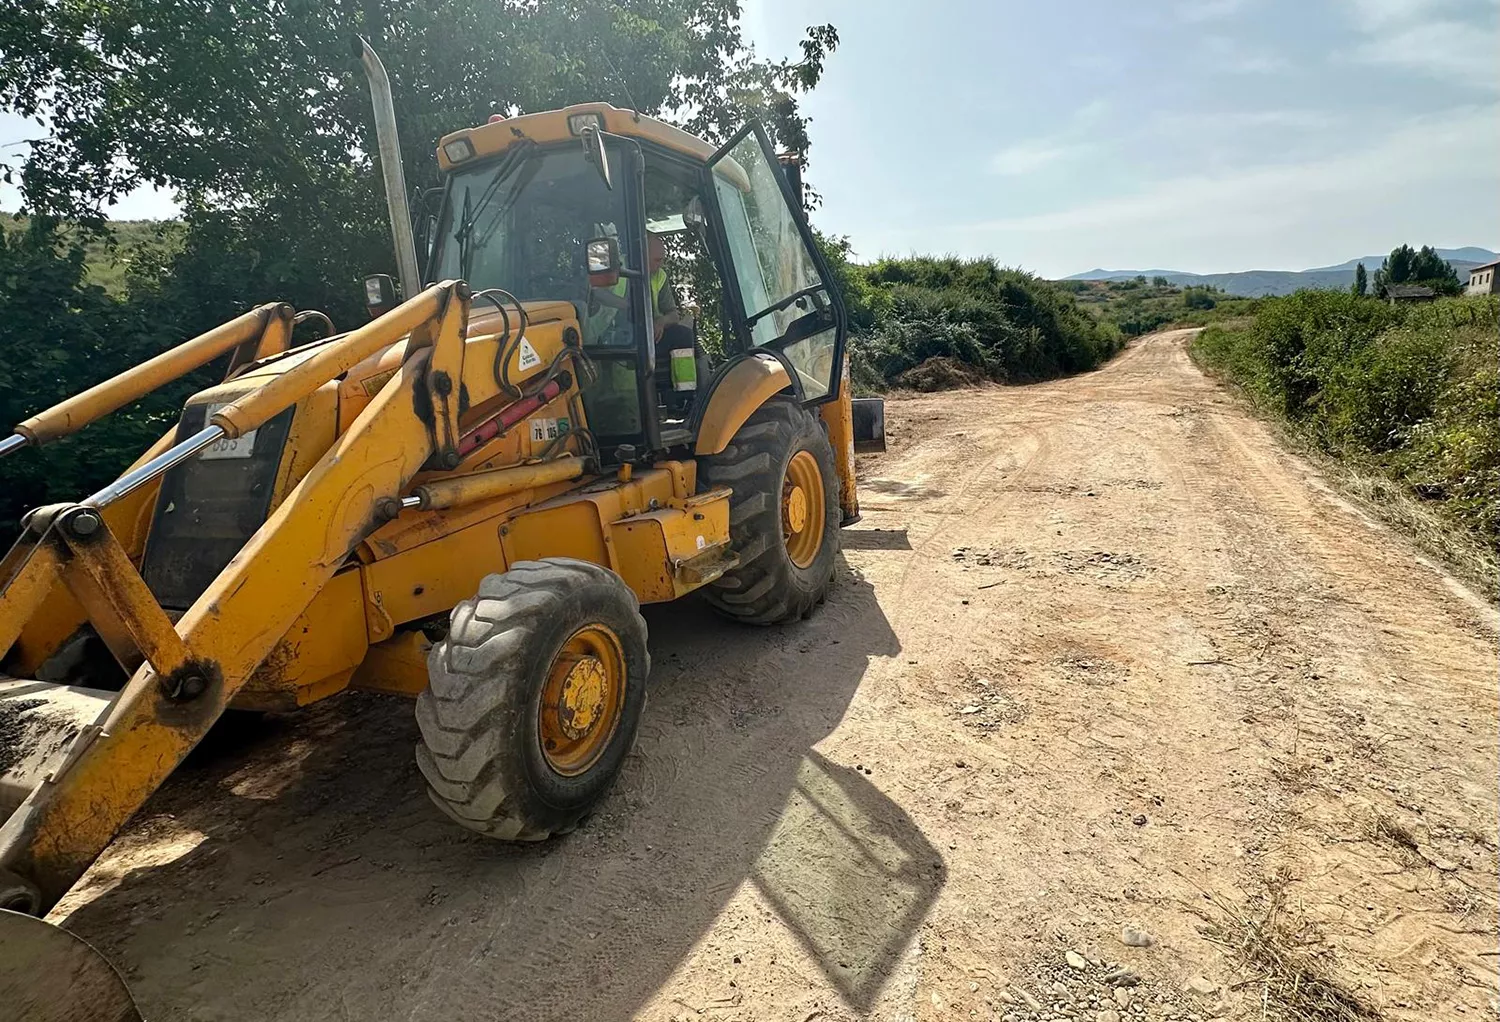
x=593, y=151
x=380, y=294
x=603, y=258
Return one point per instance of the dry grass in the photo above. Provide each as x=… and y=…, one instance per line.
x=1286, y=962
x=1465, y=902
x=1388, y=828
x=1443, y=539
x=1434, y=535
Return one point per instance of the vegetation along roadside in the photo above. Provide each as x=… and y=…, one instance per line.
x=1405, y=398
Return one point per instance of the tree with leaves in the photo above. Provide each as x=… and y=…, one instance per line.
x=1422, y=267
x=258, y=118
x=1361, y=285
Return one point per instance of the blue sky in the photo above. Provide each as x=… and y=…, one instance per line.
x=1209, y=136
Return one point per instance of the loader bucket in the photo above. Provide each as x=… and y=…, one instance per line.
x=49, y=975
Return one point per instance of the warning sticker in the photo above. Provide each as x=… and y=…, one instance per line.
x=374, y=384
x=548, y=429
x=529, y=358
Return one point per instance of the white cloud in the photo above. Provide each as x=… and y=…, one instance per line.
x=1209, y=10
x=1380, y=13
x=1227, y=54
x=1277, y=215
x=1030, y=156
x=1240, y=124
x=1442, y=49
x=1429, y=37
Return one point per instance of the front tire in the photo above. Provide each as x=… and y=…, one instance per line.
x=783, y=516
x=533, y=699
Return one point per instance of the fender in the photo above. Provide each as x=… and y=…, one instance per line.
x=739, y=392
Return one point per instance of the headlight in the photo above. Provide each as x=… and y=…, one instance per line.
x=459, y=150
x=577, y=122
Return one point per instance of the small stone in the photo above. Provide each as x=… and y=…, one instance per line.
x=1132, y=937
x=959, y=763
x=973, y=987
x=1139, y=820
x=970, y=709
x=1031, y=1002
x=1107, y=1015
x=1202, y=987
x=937, y=1002
x=1010, y=1016
x=1076, y=961
x=1007, y=997
x=1122, y=997
x=1122, y=975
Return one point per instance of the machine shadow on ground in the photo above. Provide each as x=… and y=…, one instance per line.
x=295, y=868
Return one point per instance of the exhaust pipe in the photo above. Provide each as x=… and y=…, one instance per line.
x=390, y=168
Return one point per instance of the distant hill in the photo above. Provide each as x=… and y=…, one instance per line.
x=107, y=262
x=1254, y=283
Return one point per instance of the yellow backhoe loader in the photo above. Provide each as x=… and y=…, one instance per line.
x=463, y=501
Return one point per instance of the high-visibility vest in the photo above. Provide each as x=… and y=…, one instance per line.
x=602, y=320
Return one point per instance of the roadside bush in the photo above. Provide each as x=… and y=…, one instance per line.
x=1198, y=298
x=1006, y=325
x=1409, y=392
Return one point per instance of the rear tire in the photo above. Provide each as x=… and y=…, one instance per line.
x=781, y=448
x=533, y=699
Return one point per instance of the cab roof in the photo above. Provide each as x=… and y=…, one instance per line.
x=552, y=126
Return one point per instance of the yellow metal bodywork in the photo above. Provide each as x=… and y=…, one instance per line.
x=337, y=585
x=59, y=614
x=838, y=419
x=552, y=126
x=440, y=494
x=747, y=386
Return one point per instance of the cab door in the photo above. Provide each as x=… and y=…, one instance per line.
x=779, y=290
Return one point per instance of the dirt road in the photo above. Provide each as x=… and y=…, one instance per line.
x=1101, y=656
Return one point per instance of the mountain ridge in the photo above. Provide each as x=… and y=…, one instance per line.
x=1256, y=283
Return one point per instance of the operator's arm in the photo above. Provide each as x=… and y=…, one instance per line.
x=603, y=297
x=667, y=312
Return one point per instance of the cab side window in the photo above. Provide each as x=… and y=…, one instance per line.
x=784, y=297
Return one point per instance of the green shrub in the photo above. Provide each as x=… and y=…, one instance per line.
x=1007, y=324
x=1411, y=392
x=1198, y=298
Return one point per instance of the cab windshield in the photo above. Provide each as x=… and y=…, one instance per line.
x=521, y=223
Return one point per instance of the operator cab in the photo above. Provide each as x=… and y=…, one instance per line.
x=680, y=260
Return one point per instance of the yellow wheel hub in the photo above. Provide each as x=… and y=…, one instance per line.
x=582, y=700
x=802, y=509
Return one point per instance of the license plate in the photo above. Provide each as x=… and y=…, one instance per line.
x=241, y=447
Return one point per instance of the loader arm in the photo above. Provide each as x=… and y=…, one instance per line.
x=193, y=668
x=262, y=331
